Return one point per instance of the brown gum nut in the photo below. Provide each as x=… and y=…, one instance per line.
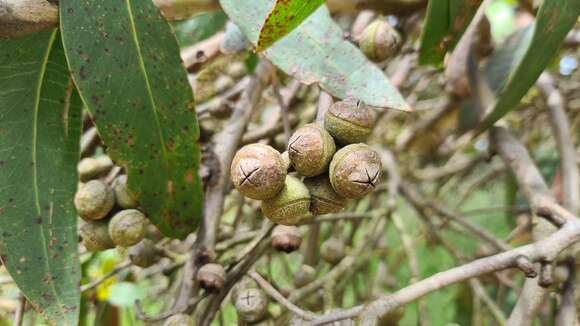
x=355, y=170
x=286, y=238
x=211, y=277
x=310, y=150
x=258, y=171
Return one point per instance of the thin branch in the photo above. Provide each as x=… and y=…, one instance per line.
x=19, y=315
x=409, y=248
x=564, y=142
x=415, y=199
x=272, y=292
x=537, y=193
x=89, y=286
x=283, y=106
x=567, y=314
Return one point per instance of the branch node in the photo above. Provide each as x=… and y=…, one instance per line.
x=526, y=266
x=546, y=274
x=545, y=212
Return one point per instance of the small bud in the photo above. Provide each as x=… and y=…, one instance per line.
x=304, y=275
x=94, y=200
x=251, y=305
x=379, y=41
x=144, y=254
x=286, y=238
x=211, y=277
x=332, y=250
x=95, y=235
x=258, y=171
x=179, y=320
x=91, y=168
x=124, y=198
x=127, y=227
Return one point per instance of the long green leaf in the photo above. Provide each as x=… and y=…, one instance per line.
x=126, y=65
x=285, y=16
x=316, y=52
x=553, y=22
x=39, y=149
x=445, y=23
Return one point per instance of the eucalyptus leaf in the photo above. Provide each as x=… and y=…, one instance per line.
x=529, y=56
x=284, y=17
x=445, y=23
x=198, y=27
x=316, y=52
x=39, y=147
x=126, y=65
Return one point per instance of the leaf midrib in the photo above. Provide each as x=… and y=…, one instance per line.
x=146, y=77
x=40, y=83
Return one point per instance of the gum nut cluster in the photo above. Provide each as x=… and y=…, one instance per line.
x=110, y=214
x=327, y=174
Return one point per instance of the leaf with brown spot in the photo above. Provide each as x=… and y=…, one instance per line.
x=40, y=119
x=316, y=52
x=285, y=16
x=144, y=110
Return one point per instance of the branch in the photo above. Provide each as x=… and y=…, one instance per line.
x=227, y=142
x=543, y=250
x=566, y=314
x=538, y=195
x=272, y=292
x=21, y=17
x=563, y=136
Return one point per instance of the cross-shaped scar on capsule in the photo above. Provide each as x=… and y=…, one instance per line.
x=247, y=298
x=247, y=175
x=370, y=181
x=292, y=143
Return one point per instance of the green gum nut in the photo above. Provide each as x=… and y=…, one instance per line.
x=290, y=206
x=324, y=200
x=349, y=121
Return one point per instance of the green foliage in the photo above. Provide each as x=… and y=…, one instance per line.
x=39, y=148
x=141, y=102
x=198, y=28
x=124, y=294
x=285, y=16
x=501, y=14
x=445, y=23
x=553, y=22
x=317, y=53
